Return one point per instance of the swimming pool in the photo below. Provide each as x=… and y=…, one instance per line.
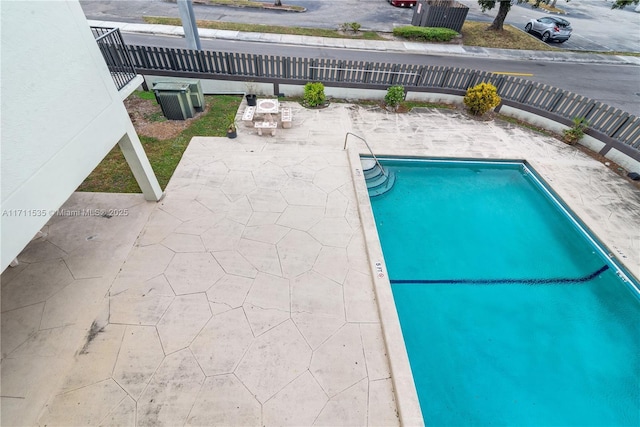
x=511, y=312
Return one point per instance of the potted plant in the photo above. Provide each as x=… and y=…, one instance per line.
x=251, y=94
x=232, y=130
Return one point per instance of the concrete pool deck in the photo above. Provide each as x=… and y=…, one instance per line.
x=247, y=296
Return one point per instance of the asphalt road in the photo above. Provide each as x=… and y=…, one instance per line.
x=615, y=85
x=596, y=26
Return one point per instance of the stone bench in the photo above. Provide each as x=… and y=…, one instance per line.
x=247, y=116
x=266, y=125
x=286, y=117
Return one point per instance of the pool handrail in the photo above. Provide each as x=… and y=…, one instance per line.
x=370, y=150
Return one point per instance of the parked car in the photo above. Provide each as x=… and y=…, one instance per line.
x=402, y=3
x=550, y=28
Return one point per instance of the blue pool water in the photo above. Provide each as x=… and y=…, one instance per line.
x=509, y=314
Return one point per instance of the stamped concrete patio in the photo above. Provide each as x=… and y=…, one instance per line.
x=246, y=296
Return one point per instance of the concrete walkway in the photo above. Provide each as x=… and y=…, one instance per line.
x=246, y=296
x=378, y=45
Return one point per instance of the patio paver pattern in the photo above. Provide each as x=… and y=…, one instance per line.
x=245, y=296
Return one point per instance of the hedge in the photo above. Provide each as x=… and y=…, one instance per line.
x=430, y=34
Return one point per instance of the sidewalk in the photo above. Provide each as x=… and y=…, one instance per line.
x=377, y=45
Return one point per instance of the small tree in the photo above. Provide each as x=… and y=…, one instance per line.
x=314, y=94
x=621, y=4
x=481, y=98
x=503, y=10
x=394, y=96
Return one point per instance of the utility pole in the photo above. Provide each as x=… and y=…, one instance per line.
x=185, y=7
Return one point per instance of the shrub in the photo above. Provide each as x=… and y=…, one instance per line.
x=394, y=96
x=355, y=27
x=314, y=94
x=430, y=34
x=344, y=27
x=576, y=132
x=481, y=98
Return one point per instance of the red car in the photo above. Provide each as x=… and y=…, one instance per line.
x=402, y=3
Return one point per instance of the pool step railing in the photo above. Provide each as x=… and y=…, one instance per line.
x=378, y=180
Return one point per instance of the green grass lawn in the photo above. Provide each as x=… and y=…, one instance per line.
x=476, y=34
x=253, y=4
x=271, y=29
x=113, y=175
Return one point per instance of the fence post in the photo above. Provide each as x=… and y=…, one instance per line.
x=312, y=72
x=258, y=65
x=499, y=83
x=447, y=73
x=393, y=77
x=170, y=58
x=202, y=63
x=617, y=129
x=286, y=67
x=556, y=101
x=526, y=93
x=230, y=67
x=472, y=79
x=419, y=76
x=341, y=71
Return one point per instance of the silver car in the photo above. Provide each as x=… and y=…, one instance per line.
x=550, y=28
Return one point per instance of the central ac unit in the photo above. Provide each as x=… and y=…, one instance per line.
x=175, y=100
x=197, y=96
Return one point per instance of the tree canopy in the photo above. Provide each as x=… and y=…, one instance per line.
x=505, y=6
x=620, y=4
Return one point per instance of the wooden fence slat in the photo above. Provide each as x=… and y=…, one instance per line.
x=610, y=125
x=629, y=133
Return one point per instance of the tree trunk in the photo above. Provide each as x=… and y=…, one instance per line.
x=498, y=23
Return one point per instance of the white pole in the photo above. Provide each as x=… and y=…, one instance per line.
x=185, y=7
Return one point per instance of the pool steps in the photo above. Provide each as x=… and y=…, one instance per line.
x=378, y=182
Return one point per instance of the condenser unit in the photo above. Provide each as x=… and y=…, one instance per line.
x=175, y=100
x=197, y=96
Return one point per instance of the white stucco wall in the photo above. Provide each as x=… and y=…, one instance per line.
x=61, y=113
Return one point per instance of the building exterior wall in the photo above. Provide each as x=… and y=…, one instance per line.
x=61, y=113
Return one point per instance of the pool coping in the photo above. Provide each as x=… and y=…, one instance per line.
x=406, y=395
